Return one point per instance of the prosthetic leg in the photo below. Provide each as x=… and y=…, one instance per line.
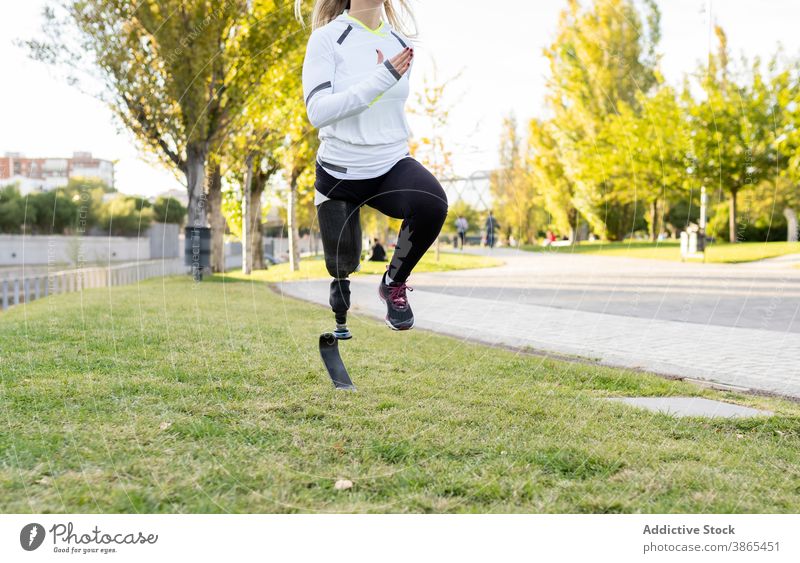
x=341, y=240
x=340, y=227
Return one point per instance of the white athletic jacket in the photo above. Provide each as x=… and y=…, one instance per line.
x=357, y=104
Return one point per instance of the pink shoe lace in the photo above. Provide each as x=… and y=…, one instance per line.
x=397, y=294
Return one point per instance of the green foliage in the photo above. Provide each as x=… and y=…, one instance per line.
x=626, y=152
x=82, y=207
x=81, y=184
x=74, y=209
x=785, y=106
x=177, y=73
x=645, y=154
x=516, y=201
x=232, y=210
x=430, y=104
x=684, y=211
x=125, y=216
x=758, y=219
x=731, y=129
x=603, y=59
x=549, y=177
x=90, y=201
x=602, y=55
x=56, y=212
x=13, y=210
x=168, y=210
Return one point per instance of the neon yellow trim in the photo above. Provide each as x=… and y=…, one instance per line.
x=362, y=24
x=375, y=100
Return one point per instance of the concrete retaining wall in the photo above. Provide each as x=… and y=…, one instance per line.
x=16, y=250
x=161, y=241
x=165, y=240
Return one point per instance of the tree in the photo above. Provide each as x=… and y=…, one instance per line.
x=785, y=113
x=430, y=105
x=645, y=154
x=83, y=184
x=264, y=166
x=175, y=72
x=55, y=211
x=168, y=210
x=252, y=154
x=13, y=210
x=513, y=191
x=602, y=56
x=296, y=156
x=731, y=129
x=215, y=217
x=236, y=206
x=546, y=165
x=125, y=216
x=89, y=195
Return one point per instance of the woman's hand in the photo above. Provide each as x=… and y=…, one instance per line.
x=401, y=62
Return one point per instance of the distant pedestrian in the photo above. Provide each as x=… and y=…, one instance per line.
x=491, y=226
x=378, y=252
x=461, y=228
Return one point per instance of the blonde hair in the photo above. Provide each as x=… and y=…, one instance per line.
x=398, y=12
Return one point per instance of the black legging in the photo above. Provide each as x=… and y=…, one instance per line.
x=408, y=192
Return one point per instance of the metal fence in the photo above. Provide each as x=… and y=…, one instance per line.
x=18, y=288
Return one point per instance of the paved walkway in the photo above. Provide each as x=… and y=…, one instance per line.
x=734, y=325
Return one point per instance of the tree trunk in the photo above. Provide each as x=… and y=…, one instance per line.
x=294, y=232
x=247, y=248
x=572, y=217
x=733, y=235
x=216, y=219
x=653, y=220
x=256, y=230
x=195, y=185
x=791, y=224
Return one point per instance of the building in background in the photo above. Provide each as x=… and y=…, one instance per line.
x=32, y=174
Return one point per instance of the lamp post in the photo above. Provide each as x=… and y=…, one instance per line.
x=701, y=235
x=703, y=202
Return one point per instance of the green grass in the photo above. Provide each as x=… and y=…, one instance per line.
x=670, y=250
x=314, y=267
x=174, y=397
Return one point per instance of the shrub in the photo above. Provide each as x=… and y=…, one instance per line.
x=168, y=210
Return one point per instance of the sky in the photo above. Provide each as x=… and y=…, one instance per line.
x=497, y=48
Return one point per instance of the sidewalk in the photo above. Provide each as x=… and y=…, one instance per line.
x=512, y=305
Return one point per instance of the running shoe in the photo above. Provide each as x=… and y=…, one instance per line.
x=398, y=312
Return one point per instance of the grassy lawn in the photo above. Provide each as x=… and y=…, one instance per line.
x=671, y=250
x=174, y=397
x=314, y=267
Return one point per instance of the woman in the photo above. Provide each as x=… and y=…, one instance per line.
x=356, y=82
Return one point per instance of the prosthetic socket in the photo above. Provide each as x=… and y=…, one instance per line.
x=340, y=227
